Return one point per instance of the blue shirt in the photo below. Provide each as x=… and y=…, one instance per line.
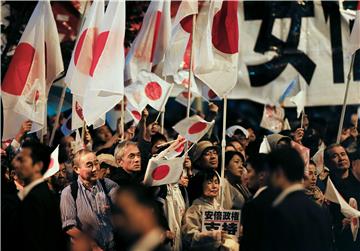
x=91, y=211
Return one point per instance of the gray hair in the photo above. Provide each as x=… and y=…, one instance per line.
x=120, y=148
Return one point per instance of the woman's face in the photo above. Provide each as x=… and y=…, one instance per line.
x=311, y=176
x=236, y=166
x=211, y=187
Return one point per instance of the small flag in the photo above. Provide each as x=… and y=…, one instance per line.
x=265, y=146
x=54, y=165
x=354, y=225
x=291, y=90
x=161, y=172
x=273, y=118
x=300, y=99
x=175, y=149
x=318, y=158
x=193, y=128
x=333, y=195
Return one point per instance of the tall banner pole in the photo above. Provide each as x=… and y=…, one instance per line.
x=345, y=100
x=223, y=144
x=122, y=120
x=191, y=73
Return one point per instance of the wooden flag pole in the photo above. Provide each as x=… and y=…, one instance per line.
x=162, y=121
x=191, y=74
x=83, y=132
x=302, y=119
x=345, y=100
x=122, y=120
x=223, y=144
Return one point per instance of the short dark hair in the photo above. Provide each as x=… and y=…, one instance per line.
x=289, y=161
x=156, y=137
x=259, y=162
x=196, y=184
x=230, y=154
x=39, y=153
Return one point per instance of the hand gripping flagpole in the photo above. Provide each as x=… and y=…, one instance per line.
x=223, y=144
x=345, y=99
x=191, y=74
x=63, y=92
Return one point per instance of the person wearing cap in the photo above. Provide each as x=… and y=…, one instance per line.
x=239, y=133
x=278, y=141
x=205, y=156
x=348, y=188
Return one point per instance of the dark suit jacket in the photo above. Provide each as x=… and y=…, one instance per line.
x=253, y=220
x=298, y=224
x=39, y=222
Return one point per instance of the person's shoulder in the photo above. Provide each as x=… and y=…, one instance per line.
x=66, y=191
x=110, y=184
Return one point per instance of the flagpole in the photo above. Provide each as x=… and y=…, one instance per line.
x=302, y=119
x=83, y=132
x=58, y=111
x=191, y=74
x=162, y=121
x=223, y=144
x=122, y=120
x=345, y=99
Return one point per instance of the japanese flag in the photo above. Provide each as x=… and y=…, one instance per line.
x=35, y=65
x=114, y=116
x=217, y=42
x=355, y=33
x=334, y=196
x=178, y=54
x=174, y=150
x=193, y=128
x=354, y=225
x=54, y=166
x=77, y=114
x=208, y=94
x=134, y=113
x=155, y=90
x=150, y=44
x=161, y=172
x=106, y=83
x=78, y=74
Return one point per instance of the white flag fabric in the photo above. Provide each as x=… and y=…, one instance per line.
x=35, y=65
x=333, y=195
x=176, y=56
x=265, y=146
x=161, y=172
x=106, y=82
x=217, y=41
x=174, y=150
x=354, y=225
x=77, y=114
x=78, y=74
x=355, y=33
x=134, y=113
x=273, y=118
x=114, y=115
x=54, y=165
x=66, y=127
x=150, y=45
x=318, y=158
x=300, y=99
x=193, y=128
x=291, y=90
x=208, y=94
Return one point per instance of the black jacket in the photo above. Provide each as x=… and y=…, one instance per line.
x=39, y=221
x=298, y=224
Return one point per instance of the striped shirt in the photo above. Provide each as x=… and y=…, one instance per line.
x=91, y=211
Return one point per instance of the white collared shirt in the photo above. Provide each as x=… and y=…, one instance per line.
x=258, y=192
x=150, y=241
x=286, y=192
x=23, y=193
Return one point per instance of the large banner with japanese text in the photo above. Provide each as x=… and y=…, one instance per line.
x=282, y=39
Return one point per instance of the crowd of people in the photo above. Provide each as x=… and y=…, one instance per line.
x=97, y=200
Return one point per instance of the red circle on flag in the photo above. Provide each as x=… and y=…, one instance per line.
x=212, y=94
x=186, y=94
x=19, y=68
x=160, y=172
x=180, y=148
x=153, y=90
x=99, y=48
x=79, y=46
x=136, y=114
x=51, y=163
x=79, y=110
x=197, y=127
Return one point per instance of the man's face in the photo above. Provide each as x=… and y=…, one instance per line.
x=338, y=158
x=88, y=167
x=131, y=160
x=24, y=166
x=153, y=128
x=67, y=143
x=210, y=159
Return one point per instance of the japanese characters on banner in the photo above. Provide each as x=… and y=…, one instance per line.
x=224, y=220
x=277, y=44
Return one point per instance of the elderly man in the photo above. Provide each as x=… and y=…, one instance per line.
x=128, y=159
x=337, y=160
x=85, y=205
x=38, y=222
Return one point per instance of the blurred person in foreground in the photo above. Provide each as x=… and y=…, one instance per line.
x=295, y=222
